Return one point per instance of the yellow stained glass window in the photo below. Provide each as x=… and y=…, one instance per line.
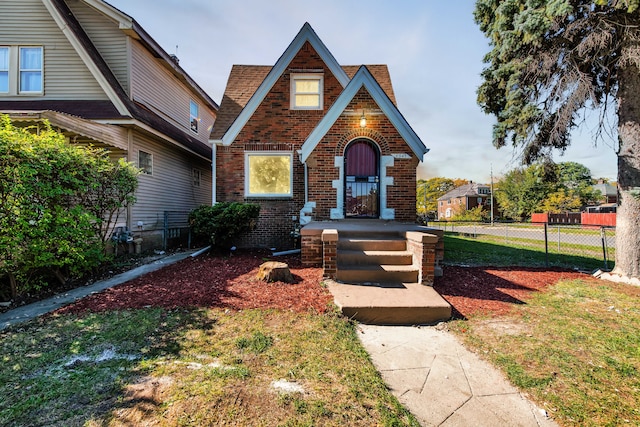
x=269, y=174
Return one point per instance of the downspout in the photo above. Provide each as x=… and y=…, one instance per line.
x=213, y=173
x=306, y=184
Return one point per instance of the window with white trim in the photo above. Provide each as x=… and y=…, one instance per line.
x=4, y=69
x=30, y=69
x=21, y=70
x=194, y=116
x=268, y=174
x=145, y=162
x=306, y=91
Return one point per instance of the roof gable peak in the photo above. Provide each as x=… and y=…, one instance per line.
x=306, y=34
x=364, y=78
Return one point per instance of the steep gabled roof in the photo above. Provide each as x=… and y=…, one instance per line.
x=244, y=80
x=306, y=34
x=131, y=27
x=124, y=107
x=466, y=190
x=363, y=78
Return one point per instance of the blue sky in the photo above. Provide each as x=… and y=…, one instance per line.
x=433, y=50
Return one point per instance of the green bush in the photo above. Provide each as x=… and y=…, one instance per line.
x=223, y=222
x=55, y=201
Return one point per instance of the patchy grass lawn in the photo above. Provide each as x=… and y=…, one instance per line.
x=192, y=367
x=575, y=349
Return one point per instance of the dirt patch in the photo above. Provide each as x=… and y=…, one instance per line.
x=502, y=327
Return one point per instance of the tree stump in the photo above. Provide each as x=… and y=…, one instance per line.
x=273, y=271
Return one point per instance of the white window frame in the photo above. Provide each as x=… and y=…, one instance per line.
x=30, y=70
x=148, y=172
x=247, y=164
x=307, y=76
x=194, y=120
x=8, y=69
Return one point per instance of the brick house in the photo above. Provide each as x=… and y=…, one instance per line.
x=464, y=198
x=311, y=140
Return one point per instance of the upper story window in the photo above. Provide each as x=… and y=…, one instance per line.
x=30, y=69
x=194, y=116
x=4, y=69
x=145, y=162
x=21, y=70
x=306, y=91
x=268, y=174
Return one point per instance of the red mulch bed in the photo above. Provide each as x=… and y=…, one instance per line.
x=229, y=282
x=208, y=281
x=495, y=290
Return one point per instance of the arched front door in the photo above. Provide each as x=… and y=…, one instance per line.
x=362, y=178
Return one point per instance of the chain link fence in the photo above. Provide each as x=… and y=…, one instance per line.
x=576, y=246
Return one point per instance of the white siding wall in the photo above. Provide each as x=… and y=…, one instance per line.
x=27, y=22
x=158, y=89
x=110, y=41
x=170, y=188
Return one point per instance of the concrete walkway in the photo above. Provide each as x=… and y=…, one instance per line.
x=444, y=384
x=28, y=312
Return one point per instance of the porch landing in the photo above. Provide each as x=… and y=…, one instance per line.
x=396, y=304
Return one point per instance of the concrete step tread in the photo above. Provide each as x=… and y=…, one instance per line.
x=371, y=239
x=402, y=303
x=375, y=267
x=373, y=252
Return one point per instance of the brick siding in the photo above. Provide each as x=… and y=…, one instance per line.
x=276, y=127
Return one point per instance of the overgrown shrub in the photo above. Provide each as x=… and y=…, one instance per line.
x=223, y=222
x=55, y=201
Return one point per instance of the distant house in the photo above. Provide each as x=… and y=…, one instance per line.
x=100, y=79
x=463, y=198
x=311, y=140
x=608, y=191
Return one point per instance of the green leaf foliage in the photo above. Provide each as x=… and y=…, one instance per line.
x=545, y=187
x=223, y=222
x=53, y=200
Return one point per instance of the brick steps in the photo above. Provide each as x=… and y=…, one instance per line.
x=378, y=271
x=375, y=257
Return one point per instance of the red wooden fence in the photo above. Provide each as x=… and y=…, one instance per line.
x=602, y=219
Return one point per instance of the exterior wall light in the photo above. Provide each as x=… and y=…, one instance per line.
x=363, y=120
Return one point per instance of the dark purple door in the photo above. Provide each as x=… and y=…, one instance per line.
x=361, y=180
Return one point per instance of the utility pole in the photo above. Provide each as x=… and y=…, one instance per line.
x=491, y=194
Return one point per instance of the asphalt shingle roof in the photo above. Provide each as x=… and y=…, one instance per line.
x=244, y=80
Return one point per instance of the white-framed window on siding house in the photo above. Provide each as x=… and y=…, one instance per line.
x=4, y=69
x=196, y=175
x=307, y=91
x=145, y=162
x=268, y=174
x=31, y=60
x=194, y=116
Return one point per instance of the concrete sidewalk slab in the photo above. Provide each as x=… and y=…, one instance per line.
x=400, y=304
x=444, y=384
x=30, y=311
